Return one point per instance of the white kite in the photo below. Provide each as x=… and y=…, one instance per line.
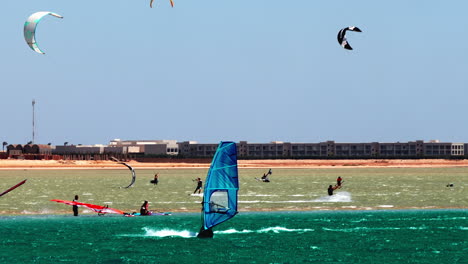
x=30, y=28
x=151, y=3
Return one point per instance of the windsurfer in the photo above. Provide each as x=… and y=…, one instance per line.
x=75, y=207
x=144, y=209
x=220, y=190
x=199, y=185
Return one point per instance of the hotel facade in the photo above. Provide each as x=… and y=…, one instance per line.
x=247, y=150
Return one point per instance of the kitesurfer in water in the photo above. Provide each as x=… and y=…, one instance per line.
x=144, y=208
x=199, y=185
x=265, y=176
x=156, y=179
x=338, y=181
x=331, y=189
x=75, y=207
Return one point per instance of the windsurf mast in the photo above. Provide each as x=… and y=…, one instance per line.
x=221, y=188
x=12, y=188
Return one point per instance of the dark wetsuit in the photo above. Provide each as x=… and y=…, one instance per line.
x=155, y=181
x=330, y=190
x=265, y=178
x=75, y=209
x=199, y=186
x=144, y=209
x=338, y=181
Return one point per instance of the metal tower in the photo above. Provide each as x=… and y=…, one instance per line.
x=33, y=119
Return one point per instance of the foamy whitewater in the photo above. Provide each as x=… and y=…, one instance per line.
x=168, y=233
x=189, y=234
x=339, y=197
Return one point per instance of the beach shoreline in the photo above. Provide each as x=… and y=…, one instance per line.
x=256, y=210
x=13, y=164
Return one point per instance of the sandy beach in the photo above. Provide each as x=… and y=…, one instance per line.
x=8, y=164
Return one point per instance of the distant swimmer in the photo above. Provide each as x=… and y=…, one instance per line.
x=450, y=185
x=338, y=181
x=199, y=185
x=331, y=189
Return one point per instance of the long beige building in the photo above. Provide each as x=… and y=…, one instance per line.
x=275, y=149
x=329, y=149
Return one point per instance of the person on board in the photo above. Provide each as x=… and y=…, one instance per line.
x=331, y=189
x=75, y=207
x=338, y=181
x=199, y=185
x=144, y=209
x=156, y=179
x=265, y=178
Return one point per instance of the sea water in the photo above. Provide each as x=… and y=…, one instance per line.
x=398, y=236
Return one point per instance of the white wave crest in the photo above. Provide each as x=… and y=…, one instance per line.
x=189, y=234
x=169, y=233
x=275, y=229
x=233, y=231
x=339, y=197
x=278, y=229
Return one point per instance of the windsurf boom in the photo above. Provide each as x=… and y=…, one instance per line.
x=12, y=188
x=221, y=189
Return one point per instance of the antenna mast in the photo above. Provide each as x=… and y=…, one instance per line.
x=33, y=117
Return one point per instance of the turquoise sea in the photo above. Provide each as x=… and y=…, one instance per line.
x=386, y=236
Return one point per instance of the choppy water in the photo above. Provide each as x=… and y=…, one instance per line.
x=406, y=236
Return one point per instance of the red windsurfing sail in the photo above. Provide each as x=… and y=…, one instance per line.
x=96, y=208
x=12, y=188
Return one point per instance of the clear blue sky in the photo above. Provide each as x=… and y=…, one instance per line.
x=259, y=71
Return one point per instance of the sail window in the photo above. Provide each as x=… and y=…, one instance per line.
x=219, y=201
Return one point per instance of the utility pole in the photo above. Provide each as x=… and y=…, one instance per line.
x=33, y=117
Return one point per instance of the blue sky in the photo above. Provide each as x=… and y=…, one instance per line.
x=235, y=70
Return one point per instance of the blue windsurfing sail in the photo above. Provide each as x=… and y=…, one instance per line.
x=221, y=188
